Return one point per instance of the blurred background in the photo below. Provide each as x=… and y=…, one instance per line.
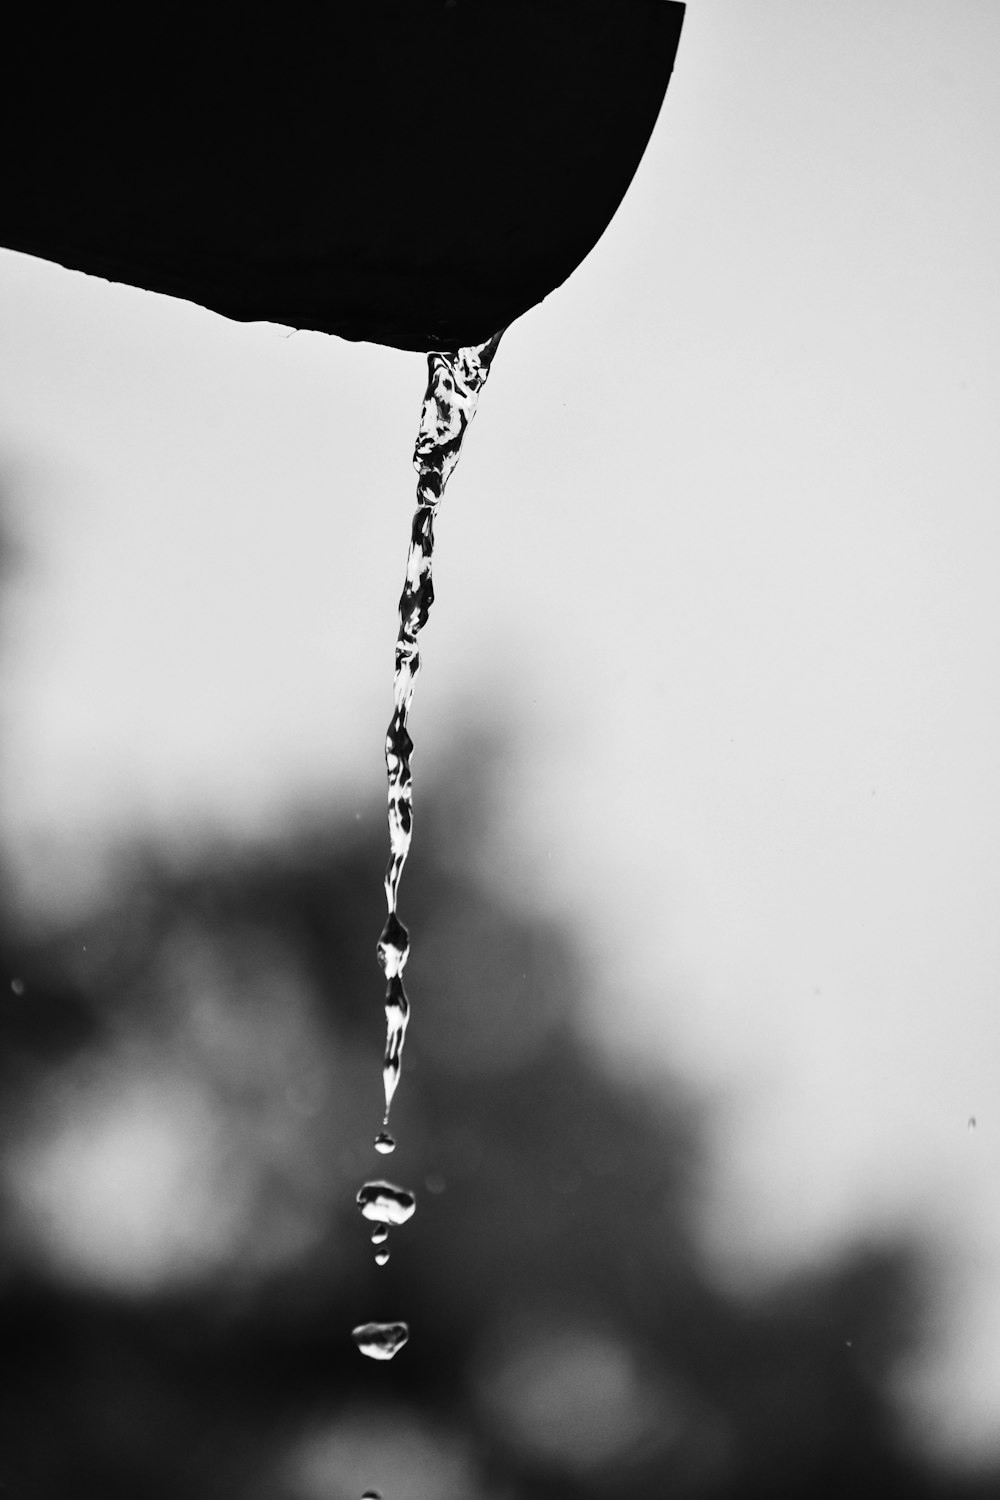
x=700, y=1100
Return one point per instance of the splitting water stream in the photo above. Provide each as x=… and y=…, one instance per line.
x=455, y=380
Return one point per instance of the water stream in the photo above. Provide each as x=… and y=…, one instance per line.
x=454, y=383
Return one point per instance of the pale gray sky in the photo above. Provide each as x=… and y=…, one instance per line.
x=728, y=515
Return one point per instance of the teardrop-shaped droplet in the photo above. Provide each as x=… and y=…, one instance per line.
x=386, y=1203
x=397, y=1017
x=380, y=1340
x=380, y=1234
x=381, y=1257
x=384, y=1142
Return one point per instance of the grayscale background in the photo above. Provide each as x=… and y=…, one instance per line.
x=717, y=607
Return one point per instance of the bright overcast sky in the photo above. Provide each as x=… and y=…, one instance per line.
x=728, y=520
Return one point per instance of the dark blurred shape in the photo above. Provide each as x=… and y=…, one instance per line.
x=412, y=172
x=190, y=1086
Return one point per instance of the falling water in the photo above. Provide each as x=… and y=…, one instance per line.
x=454, y=383
x=381, y=1340
x=385, y=1203
x=453, y=386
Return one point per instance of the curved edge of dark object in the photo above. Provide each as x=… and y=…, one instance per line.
x=416, y=173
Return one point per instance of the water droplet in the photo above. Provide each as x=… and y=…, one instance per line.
x=381, y=1257
x=397, y=1016
x=384, y=1142
x=17, y=985
x=380, y=1340
x=380, y=1234
x=371, y=1495
x=972, y=1122
x=386, y=1203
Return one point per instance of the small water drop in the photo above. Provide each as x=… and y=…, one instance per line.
x=380, y=1340
x=381, y=1257
x=972, y=1122
x=380, y=1234
x=384, y=1142
x=385, y=1202
x=17, y=985
x=371, y=1495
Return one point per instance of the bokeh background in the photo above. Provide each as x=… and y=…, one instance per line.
x=701, y=1092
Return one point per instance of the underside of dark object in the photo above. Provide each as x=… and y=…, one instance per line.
x=416, y=173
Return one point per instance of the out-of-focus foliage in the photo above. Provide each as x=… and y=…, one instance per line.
x=189, y=1086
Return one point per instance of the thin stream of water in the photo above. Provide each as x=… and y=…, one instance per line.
x=455, y=380
x=454, y=383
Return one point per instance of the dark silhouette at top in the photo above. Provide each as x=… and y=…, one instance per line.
x=412, y=172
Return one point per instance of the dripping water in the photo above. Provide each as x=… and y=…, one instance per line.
x=454, y=383
x=380, y=1340
x=385, y=1203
